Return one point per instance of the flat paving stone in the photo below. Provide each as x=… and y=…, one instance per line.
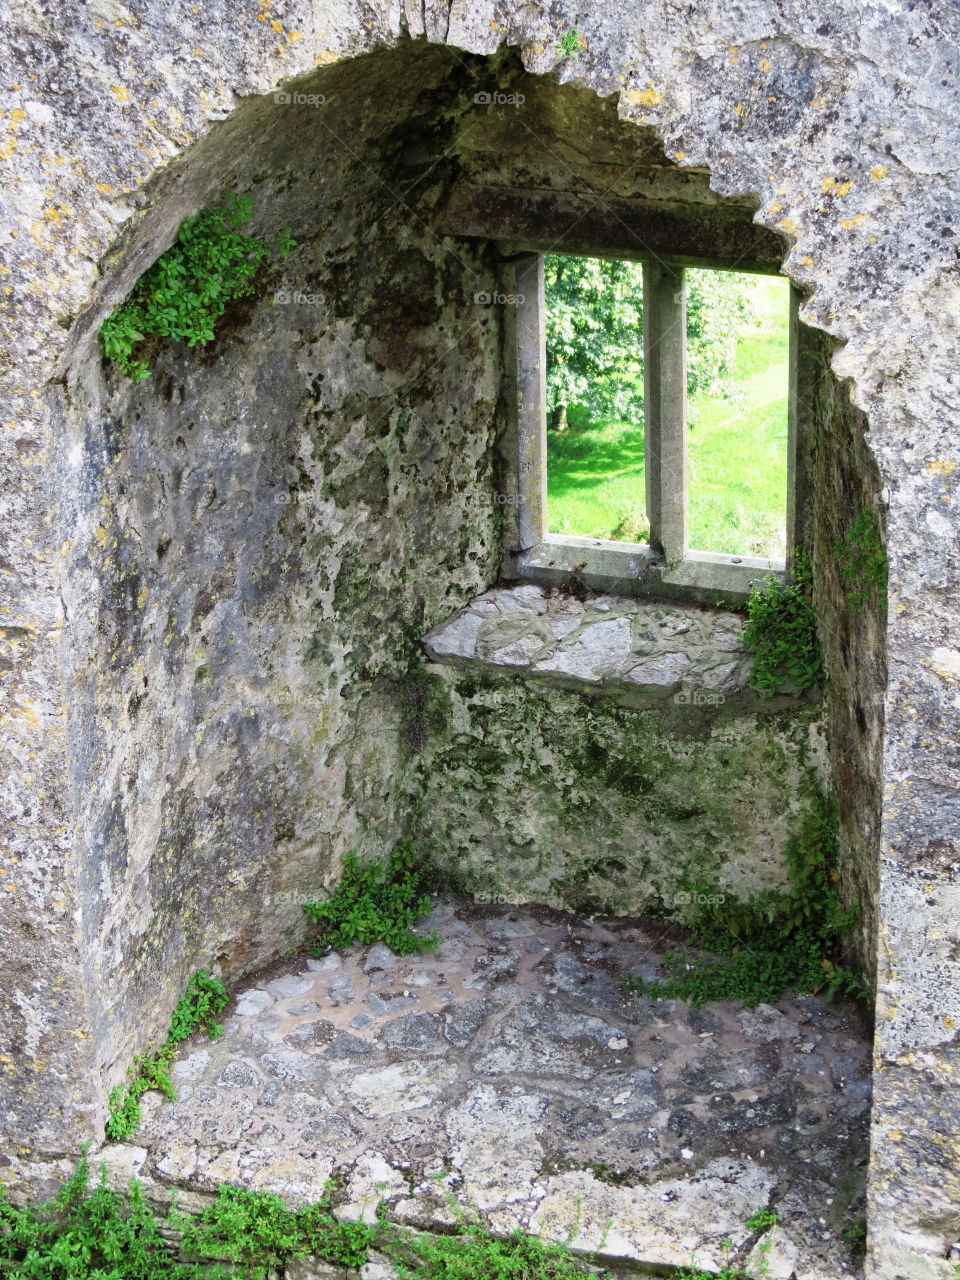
x=510, y=1069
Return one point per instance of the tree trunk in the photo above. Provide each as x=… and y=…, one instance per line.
x=559, y=420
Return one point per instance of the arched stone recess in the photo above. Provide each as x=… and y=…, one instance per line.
x=218, y=580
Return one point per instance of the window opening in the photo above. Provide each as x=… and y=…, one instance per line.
x=738, y=338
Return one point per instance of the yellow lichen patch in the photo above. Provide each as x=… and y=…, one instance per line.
x=326, y=58
x=836, y=188
x=105, y=188
x=940, y=467
x=807, y=261
x=776, y=207
x=764, y=64
x=120, y=92
x=142, y=598
x=857, y=220
x=294, y=36
x=276, y=24
x=879, y=172
x=681, y=156
x=819, y=102
x=648, y=97
x=788, y=225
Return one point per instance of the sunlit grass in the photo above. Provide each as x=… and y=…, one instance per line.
x=737, y=455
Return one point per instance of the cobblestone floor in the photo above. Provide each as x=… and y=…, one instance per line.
x=509, y=1069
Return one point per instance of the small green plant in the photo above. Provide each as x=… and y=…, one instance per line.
x=568, y=46
x=83, y=1233
x=781, y=628
x=762, y=1220
x=856, y=1231
x=375, y=902
x=196, y=1010
x=108, y=1235
x=185, y=292
x=472, y=1252
x=256, y=1229
x=863, y=560
x=773, y=942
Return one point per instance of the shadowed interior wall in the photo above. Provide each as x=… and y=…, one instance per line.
x=260, y=532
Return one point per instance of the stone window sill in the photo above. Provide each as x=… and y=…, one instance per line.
x=638, y=652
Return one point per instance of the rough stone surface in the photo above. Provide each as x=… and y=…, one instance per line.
x=639, y=652
x=547, y=1098
x=150, y=738
x=577, y=781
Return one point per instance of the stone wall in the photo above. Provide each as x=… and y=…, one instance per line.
x=842, y=129
x=844, y=481
x=255, y=538
x=593, y=755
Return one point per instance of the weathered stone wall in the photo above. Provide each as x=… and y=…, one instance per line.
x=843, y=127
x=594, y=755
x=256, y=537
x=844, y=481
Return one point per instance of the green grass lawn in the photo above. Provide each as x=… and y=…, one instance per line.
x=737, y=454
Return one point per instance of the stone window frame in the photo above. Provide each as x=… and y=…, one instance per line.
x=667, y=567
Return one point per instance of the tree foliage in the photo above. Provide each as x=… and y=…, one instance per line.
x=594, y=326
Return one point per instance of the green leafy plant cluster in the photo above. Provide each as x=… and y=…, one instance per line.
x=773, y=942
x=863, y=560
x=781, y=628
x=185, y=292
x=256, y=1229
x=375, y=902
x=472, y=1253
x=196, y=1010
x=82, y=1234
x=100, y=1234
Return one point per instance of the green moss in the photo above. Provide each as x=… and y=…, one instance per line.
x=774, y=941
x=863, y=561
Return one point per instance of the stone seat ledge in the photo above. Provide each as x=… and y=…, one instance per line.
x=640, y=653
